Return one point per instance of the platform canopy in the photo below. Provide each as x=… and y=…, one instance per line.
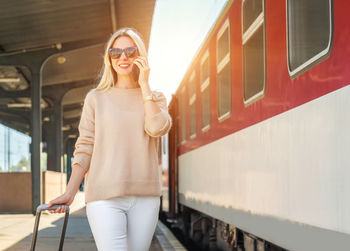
x=84, y=26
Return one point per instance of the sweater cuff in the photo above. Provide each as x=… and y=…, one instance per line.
x=83, y=160
x=158, y=124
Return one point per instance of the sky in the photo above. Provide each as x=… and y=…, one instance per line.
x=179, y=28
x=16, y=142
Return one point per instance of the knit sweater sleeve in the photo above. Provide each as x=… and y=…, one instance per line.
x=158, y=124
x=85, y=142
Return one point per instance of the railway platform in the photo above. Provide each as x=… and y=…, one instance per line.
x=16, y=231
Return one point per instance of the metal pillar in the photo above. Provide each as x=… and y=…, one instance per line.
x=36, y=134
x=70, y=150
x=49, y=138
x=58, y=117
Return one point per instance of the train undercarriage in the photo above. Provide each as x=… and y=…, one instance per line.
x=204, y=233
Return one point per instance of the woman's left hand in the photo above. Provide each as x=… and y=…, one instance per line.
x=142, y=63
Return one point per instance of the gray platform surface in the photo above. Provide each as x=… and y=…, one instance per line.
x=16, y=231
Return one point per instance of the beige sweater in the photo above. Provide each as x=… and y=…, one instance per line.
x=118, y=144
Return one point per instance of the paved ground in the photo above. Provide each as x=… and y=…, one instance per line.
x=16, y=230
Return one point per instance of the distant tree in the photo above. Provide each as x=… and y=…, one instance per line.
x=22, y=165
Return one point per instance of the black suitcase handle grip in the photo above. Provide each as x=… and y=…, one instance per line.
x=41, y=208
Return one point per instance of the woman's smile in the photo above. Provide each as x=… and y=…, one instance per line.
x=124, y=65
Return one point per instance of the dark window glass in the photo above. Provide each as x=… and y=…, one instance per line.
x=308, y=30
x=192, y=87
x=193, y=118
x=224, y=90
x=182, y=116
x=223, y=45
x=192, y=93
x=251, y=10
x=205, y=70
x=205, y=93
x=206, y=107
x=253, y=64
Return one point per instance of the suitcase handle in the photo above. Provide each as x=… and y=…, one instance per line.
x=41, y=208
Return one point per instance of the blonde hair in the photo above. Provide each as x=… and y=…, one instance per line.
x=107, y=74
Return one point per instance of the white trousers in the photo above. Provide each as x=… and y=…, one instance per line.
x=123, y=223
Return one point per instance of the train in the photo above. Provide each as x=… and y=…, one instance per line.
x=258, y=154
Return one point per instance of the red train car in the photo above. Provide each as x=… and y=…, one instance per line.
x=257, y=158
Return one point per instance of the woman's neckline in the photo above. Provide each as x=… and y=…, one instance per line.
x=126, y=91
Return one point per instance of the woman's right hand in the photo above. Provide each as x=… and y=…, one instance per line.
x=65, y=198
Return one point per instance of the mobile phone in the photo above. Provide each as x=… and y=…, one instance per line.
x=135, y=72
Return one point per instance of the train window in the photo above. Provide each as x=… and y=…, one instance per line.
x=224, y=71
x=182, y=112
x=253, y=41
x=205, y=91
x=309, y=33
x=251, y=10
x=192, y=105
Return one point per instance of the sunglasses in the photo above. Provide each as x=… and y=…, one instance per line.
x=116, y=53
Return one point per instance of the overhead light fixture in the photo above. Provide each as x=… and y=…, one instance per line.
x=65, y=128
x=58, y=46
x=61, y=60
x=12, y=80
x=16, y=105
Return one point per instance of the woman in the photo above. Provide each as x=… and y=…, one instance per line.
x=116, y=151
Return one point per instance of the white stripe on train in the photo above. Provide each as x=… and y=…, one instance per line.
x=294, y=166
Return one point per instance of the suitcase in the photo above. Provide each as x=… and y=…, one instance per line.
x=41, y=208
